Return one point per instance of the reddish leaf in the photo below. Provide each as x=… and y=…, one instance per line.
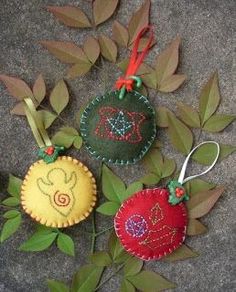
x=39, y=89
x=78, y=70
x=172, y=83
x=71, y=16
x=138, y=20
x=92, y=49
x=120, y=34
x=195, y=227
x=103, y=9
x=108, y=48
x=18, y=109
x=16, y=87
x=143, y=43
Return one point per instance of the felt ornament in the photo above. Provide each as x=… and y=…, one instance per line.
x=152, y=223
x=57, y=191
x=119, y=127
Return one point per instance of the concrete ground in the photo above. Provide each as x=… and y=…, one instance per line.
x=207, y=29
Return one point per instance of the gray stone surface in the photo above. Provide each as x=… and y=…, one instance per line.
x=206, y=28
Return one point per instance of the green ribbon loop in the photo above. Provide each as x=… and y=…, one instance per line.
x=138, y=84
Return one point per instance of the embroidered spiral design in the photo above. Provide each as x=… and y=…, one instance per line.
x=61, y=199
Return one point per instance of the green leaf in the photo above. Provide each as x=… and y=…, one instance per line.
x=92, y=49
x=126, y=286
x=78, y=142
x=79, y=69
x=108, y=48
x=118, y=254
x=120, y=34
x=153, y=161
x=103, y=10
x=162, y=116
x=217, y=123
x=40, y=240
x=47, y=117
x=57, y=286
x=181, y=253
x=172, y=83
x=132, y=189
x=201, y=203
x=59, y=97
x=205, y=154
x=101, y=259
x=189, y=115
x=180, y=135
x=197, y=185
x=39, y=89
x=209, y=99
x=112, y=185
x=11, y=214
x=11, y=202
x=87, y=278
x=150, y=179
x=148, y=281
x=66, y=244
x=168, y=168
x=150, y=79
x=133, y=266
x=226, y=150
x=14, y=186
x=10, y=227
x=108, y=208
x=195, y=227
x=65, y=137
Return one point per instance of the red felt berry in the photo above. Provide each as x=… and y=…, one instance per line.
x=148, y=226
x=179, y=192
x=49, y=150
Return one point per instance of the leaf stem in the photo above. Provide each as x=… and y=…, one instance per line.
x=93, y=241
x=104, y=231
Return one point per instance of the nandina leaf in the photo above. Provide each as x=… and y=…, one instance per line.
x=144, y=69
x=172, y=83
x=209, y=99
x=11, y=214
x=117, y=252
x=188, y=115
x=14, y=186
x=139, y=20
x=108, y=208
x=126, y=286
x=39, y=89
x=10, y=227
x=201, y=203
x=150, y=80
x=108, y=48
x=59, y=97
x=16, y=87
x=103, y=10
x=180, y=135
x=11, y=202
x=78, y=142
x=205, y=154
x=57, y=286
x=168, y=167
x=132, y=189
x=65, y=136
x=18, y=109
x=70, y=16
x=47, y=117
x=92, y=49
x=195, y=227
x=167, y=62
x=153, y=161
x=181, y=253
x=197, y=185
x=218, y=122
x=226, y=150
x=66, y=52
x=143, y=43
x=66, y=244
x=162, y=116
x=133, y=266
x=120, y=34
x=101, y=259
x=150, y=179
x=79, y=69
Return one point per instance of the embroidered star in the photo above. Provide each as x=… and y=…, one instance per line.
x=120, y=124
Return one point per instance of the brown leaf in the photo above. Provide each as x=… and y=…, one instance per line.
x=47, y=117
x=162, y=116
x=150, y=80
x=18, y=109
x=188, y=115
x=167, y=61
x=195, y=227
x=108, y=48
x=71, y=16
x=144, y=69
x=92, y=49
x=103, y=9
x=39, y=89
x=201, y=203
x=172, y=83
x=181, y=253
x=66, y=52
x=16, y=87
x=143, y=43
x=120, y=34
x=78, y=70
x=138, y=21
x=59, y=97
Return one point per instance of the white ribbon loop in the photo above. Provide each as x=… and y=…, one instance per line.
x=181, y=178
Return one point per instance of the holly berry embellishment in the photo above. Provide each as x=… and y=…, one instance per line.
x=50, y=153
x=177, y=192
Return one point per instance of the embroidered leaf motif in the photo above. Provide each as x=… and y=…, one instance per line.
x=195, y=227
x=79, y=69
x=126, y=286
x=108, y=48
x=188, y=115
x=92, y=49
x=70, y=16
x=201, y=203
x=172, y=83
x=218, y=122
x=139, y=20
x=181, y=253
x=16, y=87
x=133, y=266
x=47, y=117
x=65, y=137
x=101, y=259
x=108, y=208
x=57, y=286
x=14, y=186
x=10, y=227
x=209, y=99
x=162, y=116
x=39, y=89
x=120, y=34
x=59, y=97
x=103, y=9
x=66, y=244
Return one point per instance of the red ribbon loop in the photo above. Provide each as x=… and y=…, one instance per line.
x=136, y=60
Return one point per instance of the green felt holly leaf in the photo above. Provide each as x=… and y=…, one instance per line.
x=108, y=208
x=59, y=97
x=180, y=135
x=57, y=286
x=39, y=89
x=10, y=227
x=70, y=16
x=126, y=286
x=197, y=185
x=108, y=48
x=79, y=69
x=11, y=202
x=150, y=179
x=92, y=49
x=120, y=34
x=101, y=259
x=66, y=244
x=65, y=137
x=149, y=281
x=195, y=227
x=87, y=278
x=11, y=214
x=218, y=122
x=209, y=99
x=162, y=116
x=39, y=241
x=181, y=253
x=139, y=20
x=188, y=115
x=14, y=186
x=201, y=203
x=16, y=87
x=18, y=109
x=47, y=117
x=117, y=252
x=172, y=83
x=103, y=10
x=133, y=266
